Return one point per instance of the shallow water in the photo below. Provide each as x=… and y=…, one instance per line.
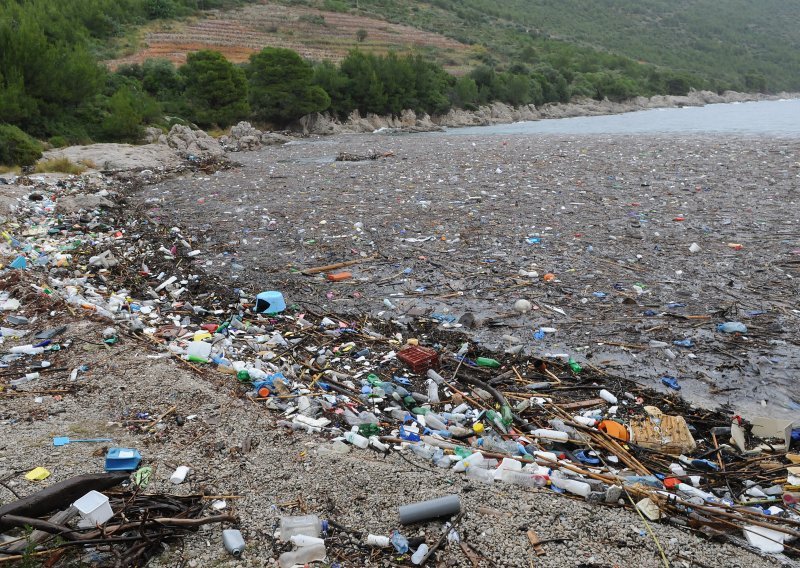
x=763, y=118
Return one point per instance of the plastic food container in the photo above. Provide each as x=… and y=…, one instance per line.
x=94, y=508
x=122, y=459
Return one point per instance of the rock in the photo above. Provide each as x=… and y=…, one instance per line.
x=75, y=203
x=193, y=143
x=522, y=306
x=117, y=157
x=152, y=134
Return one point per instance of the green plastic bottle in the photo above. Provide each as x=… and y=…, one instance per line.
x=462, y=452
x=505, y=415
x=243, y=376
x=368, y=430
x=574, y=366
x=487, y=362
x=374, y=379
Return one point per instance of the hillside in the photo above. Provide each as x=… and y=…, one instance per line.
x=727, y=44
x=737, y=43
x=314, y=34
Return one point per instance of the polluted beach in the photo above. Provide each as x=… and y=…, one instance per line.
x=410, y=349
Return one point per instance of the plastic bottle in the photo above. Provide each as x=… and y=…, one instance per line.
x=608, y=397
x=27, y=350
x=480, y=475
x=22, y=380
x=523, y=478
x=469, y=462
x=232, y=541
x=585, y=420
x=399, y=542
x=435, y=422
x=571, y=485
x=492, y=444
x=435, y=377
x=419, y=554
x=554, y=435
x=433, y=391
x=487, y=362
x=732, y=327
x=309, y=525
x=378, y=541
x=423, y=451
x=357, y=440
x=302, y=555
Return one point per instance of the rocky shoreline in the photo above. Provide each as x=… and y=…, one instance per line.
x=500, y=113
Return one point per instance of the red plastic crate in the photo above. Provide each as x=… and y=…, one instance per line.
x=419, y=359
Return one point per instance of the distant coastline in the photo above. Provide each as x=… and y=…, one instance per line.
x=500, y=113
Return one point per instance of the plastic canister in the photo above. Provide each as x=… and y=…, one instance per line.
x=198, y=350
x=270, y=302
x=232, y=541
x=309, y=525
x=94, y=508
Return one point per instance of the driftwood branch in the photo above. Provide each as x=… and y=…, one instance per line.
x=59, y=495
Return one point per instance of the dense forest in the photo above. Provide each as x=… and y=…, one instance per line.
x=54, y=88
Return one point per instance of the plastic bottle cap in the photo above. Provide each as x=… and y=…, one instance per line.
x=477, y=428
x=263, y=392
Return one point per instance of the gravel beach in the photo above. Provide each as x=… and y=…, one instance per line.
x=448, y=231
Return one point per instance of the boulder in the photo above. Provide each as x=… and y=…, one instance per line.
x=193, y=144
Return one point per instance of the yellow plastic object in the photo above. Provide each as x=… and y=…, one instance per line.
x=477, y=428
x=201, y=335
x=37, y=474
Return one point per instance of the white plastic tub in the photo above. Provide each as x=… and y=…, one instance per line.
x=94, y=508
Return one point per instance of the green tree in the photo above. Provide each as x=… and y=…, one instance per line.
x=364, y=84
x=17, y=148
x=464, y=93
x=282, y=88
x=330, y=78
x=128, y=110
x=216, y=90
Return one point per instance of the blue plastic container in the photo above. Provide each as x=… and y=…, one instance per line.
x=122, y=459
x=270, y=303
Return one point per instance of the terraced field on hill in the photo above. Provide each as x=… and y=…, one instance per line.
x=312, y=33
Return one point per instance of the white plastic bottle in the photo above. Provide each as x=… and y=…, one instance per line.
x=480, y=475
x=571, y=485
x=357, y=440
x=302, y=555
x=433, y=391
x=608, y=397
x=378, y=541
x=523, y=478
x=472, y=460
x=419, y=554
x=551, y=434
